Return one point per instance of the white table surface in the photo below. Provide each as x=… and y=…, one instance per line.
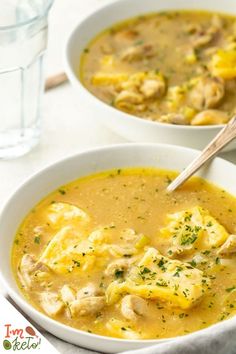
x=67, y=126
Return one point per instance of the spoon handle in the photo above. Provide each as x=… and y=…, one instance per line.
x=55, y=80
x=224, y=137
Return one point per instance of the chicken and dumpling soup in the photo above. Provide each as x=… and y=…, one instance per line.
x=171, y=67
x=116, y=255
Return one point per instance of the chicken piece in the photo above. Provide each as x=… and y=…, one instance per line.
x=119, y=265
x=88, y=291
x=51, y=303
x=174, y=118
x=151, y=88
x=120, y=251
x=130, y=101
x=25, y=269
x=128, y=235
x=87, y=305
x=198, y=259
x=132, y=238
x=126, y=35
x=204, y=37
x=133, y=306
x=217, y=23
x=40, y=273
x=129, y=97
x=192, y=28
x=208, y=92
x=28, y=267
x=87, y=300
x=229, y=247
x=136, y=80
x=100, y=235
x=67, y=294
x=137, y=53
x=137, y=88
x=210, y=117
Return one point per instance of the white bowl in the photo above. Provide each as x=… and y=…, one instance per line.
x=131, y=127
x=35, y=188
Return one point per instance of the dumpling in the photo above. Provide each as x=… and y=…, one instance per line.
x=193, y=229
x=158, y=277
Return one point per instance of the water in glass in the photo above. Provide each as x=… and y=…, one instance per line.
x=23, y=38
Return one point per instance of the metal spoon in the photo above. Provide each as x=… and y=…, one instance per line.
x=224, y=137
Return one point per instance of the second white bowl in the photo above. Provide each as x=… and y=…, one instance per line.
x=131, y=127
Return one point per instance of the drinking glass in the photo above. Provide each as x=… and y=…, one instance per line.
x=23, y=39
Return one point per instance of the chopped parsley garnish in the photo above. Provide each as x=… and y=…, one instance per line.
x=178, y=270
x=193, y=263
x=230, y=289
x=161, y=283
x=119, y=273
x=168, y=180
x=37, y=239
x=189, y=235
x=206, y=252
x=188, y=239
x=182, y=315
x=188, y=217
x=76, y=263
x=139, y=42
x=145, y=270
x=61, y=191
x=161, y=264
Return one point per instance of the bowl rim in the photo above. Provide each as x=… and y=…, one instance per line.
x=24, y=304
x=41, y=14
x=75, y=79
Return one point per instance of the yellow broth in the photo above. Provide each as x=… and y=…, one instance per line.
x=174, y=67
x=133, y=199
